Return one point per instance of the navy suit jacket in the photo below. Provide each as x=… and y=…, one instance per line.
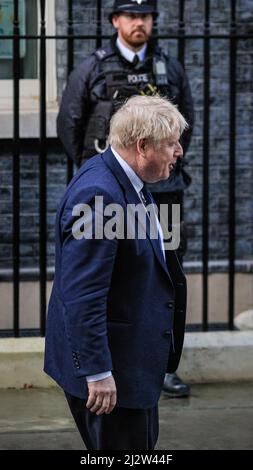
x=114, y=303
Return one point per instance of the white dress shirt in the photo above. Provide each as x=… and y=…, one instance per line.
x=129, y=54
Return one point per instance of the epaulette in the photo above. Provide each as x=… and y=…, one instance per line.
x=104, y=52
x=161, y=52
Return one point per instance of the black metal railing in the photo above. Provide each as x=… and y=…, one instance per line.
x=181, y=36
x=16, y=169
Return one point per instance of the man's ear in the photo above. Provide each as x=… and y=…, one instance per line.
x=141, y=147
x=115, y=21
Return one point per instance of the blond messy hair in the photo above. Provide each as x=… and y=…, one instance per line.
x=145, y=117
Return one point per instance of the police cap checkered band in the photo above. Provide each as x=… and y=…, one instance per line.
x=134, y=6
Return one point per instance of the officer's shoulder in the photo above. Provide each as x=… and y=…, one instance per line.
x=104, y=53
x=85, y=66
x=171, y=61
x=159, y=52
x=96, y=56
x=91, y=64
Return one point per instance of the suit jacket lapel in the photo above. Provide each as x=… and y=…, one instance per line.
x=133, y=198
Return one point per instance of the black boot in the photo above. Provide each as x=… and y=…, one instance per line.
x=173, y=386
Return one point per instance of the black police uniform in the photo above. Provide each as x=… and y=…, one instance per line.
x=100, y=84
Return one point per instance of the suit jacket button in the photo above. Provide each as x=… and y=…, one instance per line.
x=170, y=304
x=167, y=333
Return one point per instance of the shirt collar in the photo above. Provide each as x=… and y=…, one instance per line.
x=134, y=178
x=128, y=54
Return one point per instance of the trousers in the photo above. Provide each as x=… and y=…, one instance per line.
x=122, y=429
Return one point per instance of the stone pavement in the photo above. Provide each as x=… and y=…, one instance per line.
x=216, y=416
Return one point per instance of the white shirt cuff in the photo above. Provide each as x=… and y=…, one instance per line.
x=94, y=378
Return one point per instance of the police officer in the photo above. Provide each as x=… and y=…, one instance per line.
x=132, y=63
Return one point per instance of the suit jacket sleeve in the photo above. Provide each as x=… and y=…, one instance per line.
x=86, y=271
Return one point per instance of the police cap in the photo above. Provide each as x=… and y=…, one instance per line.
x=134, y=6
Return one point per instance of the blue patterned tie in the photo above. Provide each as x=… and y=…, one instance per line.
x=146, y=196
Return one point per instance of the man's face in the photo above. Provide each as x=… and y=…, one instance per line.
x=134, y=29
x=159, y=162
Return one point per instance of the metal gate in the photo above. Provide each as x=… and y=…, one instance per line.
x=206, y=36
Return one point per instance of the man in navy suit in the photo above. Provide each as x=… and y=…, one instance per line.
x=116, y=314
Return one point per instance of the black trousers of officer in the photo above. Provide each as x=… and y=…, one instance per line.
x=122, y=429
